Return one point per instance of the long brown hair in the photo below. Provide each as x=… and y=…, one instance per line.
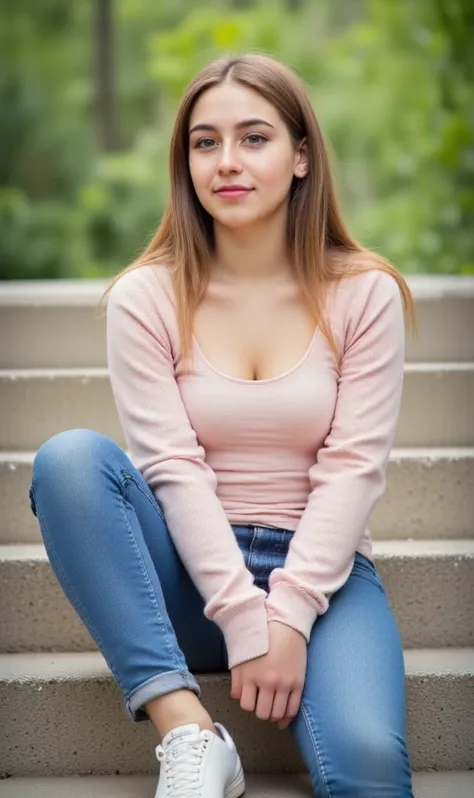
x=322, y=248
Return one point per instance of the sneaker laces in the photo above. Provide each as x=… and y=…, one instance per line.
x=182, y=765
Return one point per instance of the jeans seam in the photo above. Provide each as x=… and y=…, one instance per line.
x=254, y=539
x=305, y=715
x=149, y=495
x=79, y=606
x=373, y=578
x=153, y=595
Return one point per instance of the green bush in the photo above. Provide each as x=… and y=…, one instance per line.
x=391, y=86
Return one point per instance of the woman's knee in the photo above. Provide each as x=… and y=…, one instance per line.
x=72, y=449
x=374, y=764
x=68, y=464
x=357, y=761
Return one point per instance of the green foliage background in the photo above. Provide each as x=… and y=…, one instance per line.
x=392, y=83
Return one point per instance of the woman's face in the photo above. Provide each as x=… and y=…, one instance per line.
x=238, y=139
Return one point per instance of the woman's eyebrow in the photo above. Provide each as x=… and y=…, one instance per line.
x=238, y=126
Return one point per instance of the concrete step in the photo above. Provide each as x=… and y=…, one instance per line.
x=63, y=715
x=425, y=785
x=429, y=496
x=35, y=404
x=429, y=585
x=54, y=323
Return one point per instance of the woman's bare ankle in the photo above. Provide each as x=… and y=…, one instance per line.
x=177, y=709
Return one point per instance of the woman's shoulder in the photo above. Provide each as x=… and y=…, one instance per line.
x=363, y=293
x=363, y=285
x=149, y=284
x=145, y=296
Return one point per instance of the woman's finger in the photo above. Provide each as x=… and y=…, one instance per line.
x=264, y=703
x=292, y=709
x=236, y=685
x=294, y=702
x=248, y=697
x=280, y=703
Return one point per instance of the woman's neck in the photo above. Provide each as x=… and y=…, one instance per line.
x=251, y=255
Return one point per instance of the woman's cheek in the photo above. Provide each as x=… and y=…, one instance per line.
x=277, y=175
x=201, y=174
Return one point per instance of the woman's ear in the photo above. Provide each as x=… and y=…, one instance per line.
x=301, y=159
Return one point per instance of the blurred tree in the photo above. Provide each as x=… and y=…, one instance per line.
x=415, y=73
x=391, y=82
x=105, y=100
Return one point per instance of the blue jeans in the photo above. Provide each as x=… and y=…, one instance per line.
x=110, y=549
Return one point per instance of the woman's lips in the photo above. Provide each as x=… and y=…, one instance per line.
x=233, y=193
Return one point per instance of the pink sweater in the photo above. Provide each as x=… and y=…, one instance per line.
x=306, y=451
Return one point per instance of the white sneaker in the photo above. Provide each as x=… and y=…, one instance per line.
x=195, y=763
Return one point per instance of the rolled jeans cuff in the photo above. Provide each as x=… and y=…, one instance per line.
x=161, y=684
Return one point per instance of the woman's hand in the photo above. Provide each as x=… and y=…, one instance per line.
x=272, y=685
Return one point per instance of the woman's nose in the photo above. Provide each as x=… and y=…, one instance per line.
x=228, y=161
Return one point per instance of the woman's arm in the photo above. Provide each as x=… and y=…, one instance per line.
x=164, y=447
x=348, y=477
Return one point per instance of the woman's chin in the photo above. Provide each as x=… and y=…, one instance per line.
x=238, y=221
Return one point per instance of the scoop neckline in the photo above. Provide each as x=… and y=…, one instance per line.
x=242, y=381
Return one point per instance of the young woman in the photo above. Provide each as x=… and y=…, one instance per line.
x=256, y=357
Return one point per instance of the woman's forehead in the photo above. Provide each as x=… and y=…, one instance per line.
x=230, y=104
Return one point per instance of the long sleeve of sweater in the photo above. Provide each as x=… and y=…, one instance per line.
x=348, y=476
x=164, y=447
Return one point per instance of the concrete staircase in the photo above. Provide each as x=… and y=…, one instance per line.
x=63, y=728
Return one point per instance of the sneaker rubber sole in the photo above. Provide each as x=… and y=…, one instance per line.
x=237, y=788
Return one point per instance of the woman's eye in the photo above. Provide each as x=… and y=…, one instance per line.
x=257, y=138
x=202, y=144
x=251, y=138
